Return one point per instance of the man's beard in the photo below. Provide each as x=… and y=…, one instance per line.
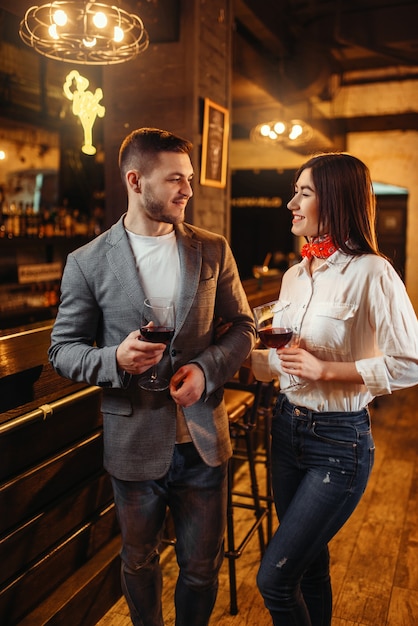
x=156, y=210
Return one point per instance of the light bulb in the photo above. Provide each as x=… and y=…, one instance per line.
x=265, y=130
x=296, y=131
x=52, y=30
x=118, y=34
x=279, y=128
x=100, y=19
x=60, y=17
x=2, y=155
x=89, y=43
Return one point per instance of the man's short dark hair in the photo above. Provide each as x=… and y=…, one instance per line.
x=140, y=149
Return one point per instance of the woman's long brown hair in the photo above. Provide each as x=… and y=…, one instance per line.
x=346, y=201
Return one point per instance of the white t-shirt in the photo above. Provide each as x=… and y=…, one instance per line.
x=158, y=264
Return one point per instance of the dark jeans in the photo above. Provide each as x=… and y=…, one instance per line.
x=196, y=496
x=321, y=465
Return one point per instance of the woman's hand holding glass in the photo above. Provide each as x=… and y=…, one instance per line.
x=275, y=330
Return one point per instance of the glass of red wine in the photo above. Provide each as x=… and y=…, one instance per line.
x=157, y=326
x=274, y=329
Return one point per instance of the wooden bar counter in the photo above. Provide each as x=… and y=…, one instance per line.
x=58, y=533
x=59, y=541
x=262, y=290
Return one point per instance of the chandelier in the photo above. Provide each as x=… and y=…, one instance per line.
x=288, y=133
x=90, y=33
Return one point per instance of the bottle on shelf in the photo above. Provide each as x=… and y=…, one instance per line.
x=19, y=219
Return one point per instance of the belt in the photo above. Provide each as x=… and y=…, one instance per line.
x=305, y=412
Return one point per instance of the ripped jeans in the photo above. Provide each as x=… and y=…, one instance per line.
x=321, y=463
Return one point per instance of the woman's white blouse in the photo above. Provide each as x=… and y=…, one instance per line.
x=353, y=309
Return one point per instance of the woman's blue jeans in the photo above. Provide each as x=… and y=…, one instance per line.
x=196, y=495
x=321, y=463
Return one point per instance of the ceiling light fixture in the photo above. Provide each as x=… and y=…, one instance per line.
x=85, y=32
x=294, y=132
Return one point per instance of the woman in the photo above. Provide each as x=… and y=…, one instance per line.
x=356, y=338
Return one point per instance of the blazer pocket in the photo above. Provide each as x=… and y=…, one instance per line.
x=117, y=405
x=207, y=282
x=205, y=296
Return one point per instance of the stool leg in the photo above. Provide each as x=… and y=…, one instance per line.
x=269, y=494
x=254, y=486
x=231, y=543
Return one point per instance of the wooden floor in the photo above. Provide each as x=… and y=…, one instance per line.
x=374, y=557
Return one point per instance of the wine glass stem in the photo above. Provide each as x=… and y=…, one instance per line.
x=154, y=373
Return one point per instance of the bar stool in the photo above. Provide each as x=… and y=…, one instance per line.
x=263, y=453
x=242, y=407
x=266, y=394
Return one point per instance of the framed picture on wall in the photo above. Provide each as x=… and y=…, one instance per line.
x=214, y=144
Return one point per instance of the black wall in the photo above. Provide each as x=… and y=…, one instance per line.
x=258, y=224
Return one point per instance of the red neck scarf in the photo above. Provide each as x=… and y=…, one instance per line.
x=319, y=247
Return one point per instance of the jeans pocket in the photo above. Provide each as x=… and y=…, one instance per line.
x=341, y=434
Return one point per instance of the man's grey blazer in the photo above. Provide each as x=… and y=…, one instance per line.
x=101, y=303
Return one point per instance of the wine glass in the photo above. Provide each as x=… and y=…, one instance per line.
x=157, y=326
x=275, y=330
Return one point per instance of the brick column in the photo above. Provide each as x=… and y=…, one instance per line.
x=165, y=87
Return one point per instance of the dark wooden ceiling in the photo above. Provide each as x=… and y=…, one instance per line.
x=293, y=51
x=349, y=34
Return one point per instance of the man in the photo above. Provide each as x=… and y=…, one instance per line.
x=168, y=448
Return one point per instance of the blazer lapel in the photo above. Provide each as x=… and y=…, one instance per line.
x=190, y=254
x=122, y=262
